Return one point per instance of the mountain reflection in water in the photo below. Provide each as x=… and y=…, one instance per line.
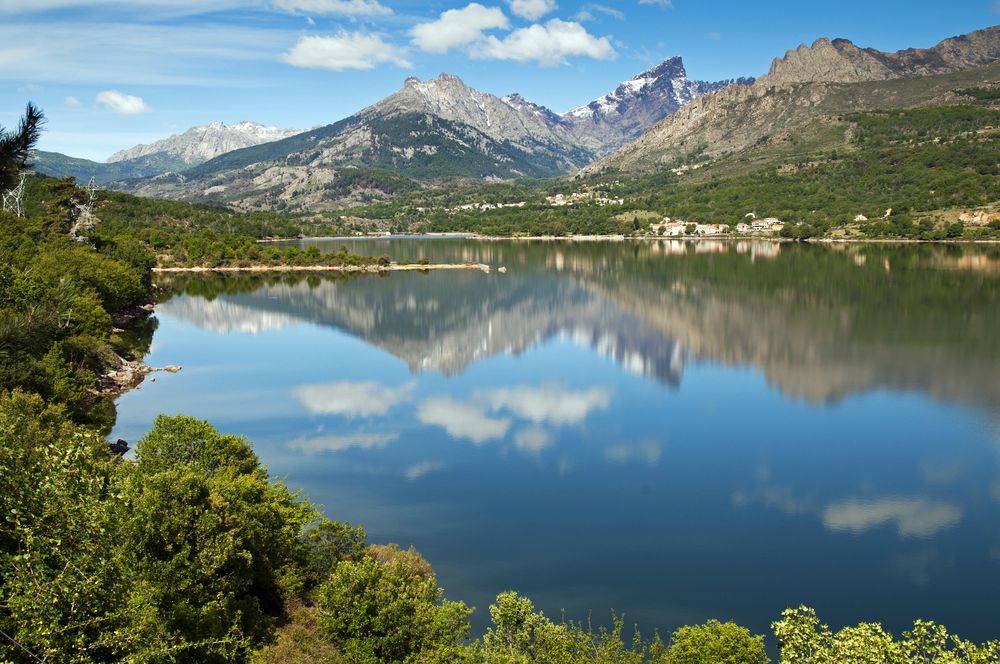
x=679, y=430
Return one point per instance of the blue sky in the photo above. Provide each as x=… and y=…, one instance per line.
x=113, y=73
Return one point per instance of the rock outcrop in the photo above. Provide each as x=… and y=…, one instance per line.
x=840, y=61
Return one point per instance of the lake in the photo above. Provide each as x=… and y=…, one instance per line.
x=672, y=430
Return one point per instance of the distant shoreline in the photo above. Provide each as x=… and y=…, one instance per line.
x=626, y=238
x=352, y=269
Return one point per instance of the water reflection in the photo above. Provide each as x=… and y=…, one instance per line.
x=680, y=430
x=912, y=517
x=821, y=323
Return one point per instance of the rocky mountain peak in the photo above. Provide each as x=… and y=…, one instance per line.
x=637, y=104
x=201, y=143
x=669, y=68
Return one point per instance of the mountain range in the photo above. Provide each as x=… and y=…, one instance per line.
x=804, y=96
x=427, y=129
x=175, y=153
x=443, y=128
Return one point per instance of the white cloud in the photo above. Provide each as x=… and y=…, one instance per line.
x=713, y=36
x=551, y=403
x=914, y=517
x=364, y=441
x=532, y=9
x=119, y=102
x=157, y=7
x=346, y=7
x=123, y=53
x=418, y=470
x=346, y=50
x=352, y=399
x=457, y=27
x=71, y=101
x=549, y=44
x=462, y=420
x=532, y=440
x=666, y=4
x=587, y=12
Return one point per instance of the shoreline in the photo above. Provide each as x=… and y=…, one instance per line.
x=343, y=269
x=628, y=238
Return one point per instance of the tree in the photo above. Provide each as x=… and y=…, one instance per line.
x=391, y=611
x=16, y=145
x=716, y=643
x=802, y=639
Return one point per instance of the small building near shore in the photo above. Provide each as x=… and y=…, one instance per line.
x=668, y=228
x=711, y=229
x=767, y=225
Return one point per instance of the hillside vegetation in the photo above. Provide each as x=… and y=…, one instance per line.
x=926, y=164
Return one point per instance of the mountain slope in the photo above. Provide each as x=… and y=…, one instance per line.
x=609, y=122
x=58, y=165
x=520, y=141
x=201, y=143
x=773, y=116
x=840, y=61
x=430, y=129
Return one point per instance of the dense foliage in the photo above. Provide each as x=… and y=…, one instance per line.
x=182, y=234
x=58, y=300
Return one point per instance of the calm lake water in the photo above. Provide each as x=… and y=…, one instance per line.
x=677, y=431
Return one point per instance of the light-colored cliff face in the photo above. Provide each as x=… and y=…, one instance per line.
x=447, y=96
x=840, y=61
x=837, y=61
x=199, y=144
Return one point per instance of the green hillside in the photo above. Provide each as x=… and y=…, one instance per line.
x=57, y=165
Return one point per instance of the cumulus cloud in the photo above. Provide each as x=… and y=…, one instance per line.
x=913, y=517
x=549, y=44
x=532, y=9
x=352, y=399
x=457, y=27
x=346, y=50
x=119, y=102
x=345, y=7
x=364, y=441
x=462, y=420
x=71, y=101
x=550, y=403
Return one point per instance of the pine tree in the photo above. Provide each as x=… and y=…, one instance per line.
x=16, y=145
